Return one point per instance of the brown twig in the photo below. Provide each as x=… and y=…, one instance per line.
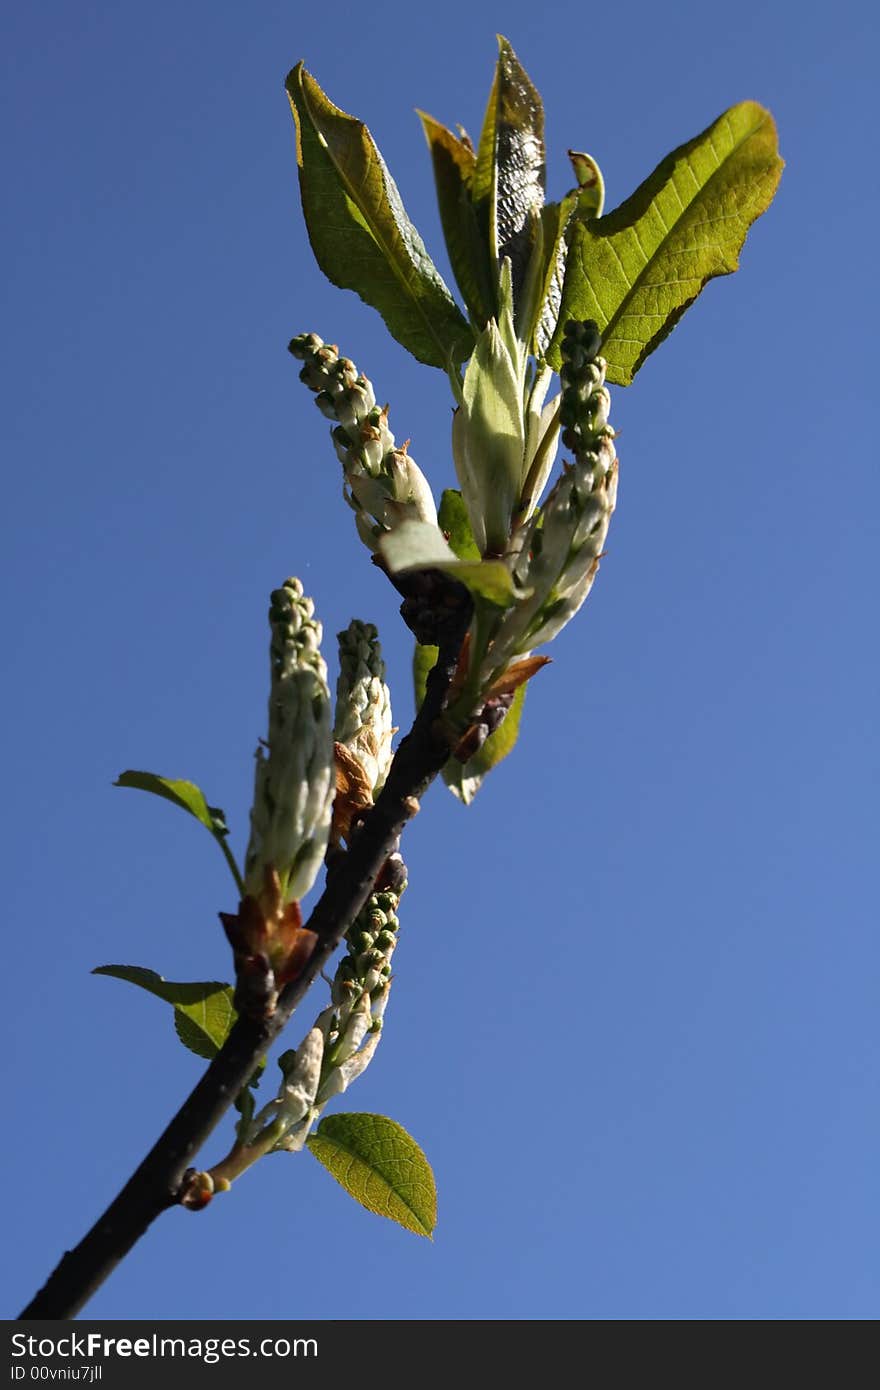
x=156, y=1184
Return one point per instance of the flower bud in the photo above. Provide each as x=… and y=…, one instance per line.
x=379, y=1001
x=371, y=447
x=354, y=404
x=305, y=345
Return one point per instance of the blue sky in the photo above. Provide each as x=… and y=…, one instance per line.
x=633, y=1023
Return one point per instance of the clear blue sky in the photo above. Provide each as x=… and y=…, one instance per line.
x=634, y=1022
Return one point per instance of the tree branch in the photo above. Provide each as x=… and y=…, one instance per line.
x=156, y=1184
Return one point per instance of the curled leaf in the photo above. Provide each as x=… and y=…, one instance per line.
x=516, y=675
x=354, y=792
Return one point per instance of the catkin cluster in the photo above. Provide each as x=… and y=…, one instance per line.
x=381, y=483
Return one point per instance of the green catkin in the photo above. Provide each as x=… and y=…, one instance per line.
x=381, y=483
x=294, y=781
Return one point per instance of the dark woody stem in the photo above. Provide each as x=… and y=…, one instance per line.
x=156, y=1185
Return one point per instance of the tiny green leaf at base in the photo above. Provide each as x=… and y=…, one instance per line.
x=424, y=661
x=189, y=798
x=203, y=1010
x=454, y=522
x=465, y=779
x=381, y=1166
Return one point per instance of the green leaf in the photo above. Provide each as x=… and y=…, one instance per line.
x=360, y=232
x=488, y=435
x=203, y=1010
x=555, y=218
x=419, y=545
x=465, y=779
x=636, y=270
x=190, y=798
x=519, y=190
x=509, y=177
x=454, y=163
x=454, y=522
x=381, y=1166
x=185, y=794
x=485, y=171
x=424, y=661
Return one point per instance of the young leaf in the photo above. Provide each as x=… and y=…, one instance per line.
x=381, y=1166
x=485, y=172
x=454, y=163
x=465, y=779
x=636, y=270
x=555, y=218
x=203, y=1011
x=454, y=522
x=189, y=798
x=184, y=794
x=508, y=183
x=424, y=661
x=417, y=545
x=590, y=189
x=360, y=233
x=488, y=434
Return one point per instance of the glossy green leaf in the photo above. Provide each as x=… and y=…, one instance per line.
x=465, y=779
x=189, y=798
x=381, y=1166
x=509, y=177
x=454, y=163
x=454, y=522
x=636, y=270
x=419, y=545
x=203, y=1010
x=360, y=232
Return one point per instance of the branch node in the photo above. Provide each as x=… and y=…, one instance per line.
x=196, y=1190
